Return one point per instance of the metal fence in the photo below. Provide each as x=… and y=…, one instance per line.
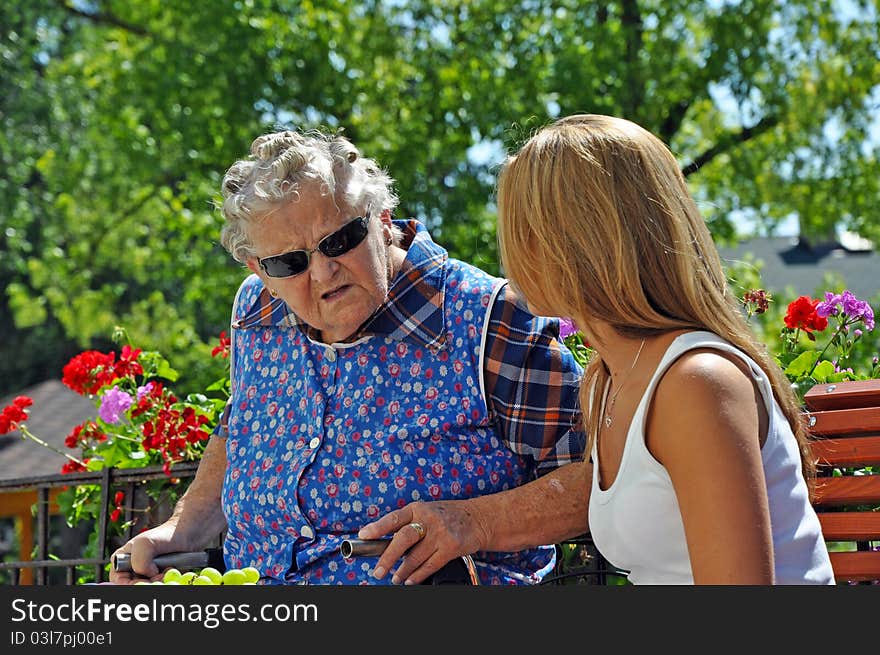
x=127, y=480
x=578, y=561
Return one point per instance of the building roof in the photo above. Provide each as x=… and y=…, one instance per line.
x=794, y=263
x=55, y=412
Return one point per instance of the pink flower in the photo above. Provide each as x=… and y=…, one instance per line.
x=566, y=328
x=114, y=403
x=144, y=390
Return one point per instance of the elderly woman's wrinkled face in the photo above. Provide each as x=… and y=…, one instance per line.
x=335, y=294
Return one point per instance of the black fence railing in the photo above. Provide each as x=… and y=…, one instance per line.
x=578, y=561
x=127, y=480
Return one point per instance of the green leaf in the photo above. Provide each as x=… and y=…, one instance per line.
x=165, y=371
x=65, y=500
x=218, y=385
x=802, y=364
x=823, y=371
x=802, y=386
x=95, y=464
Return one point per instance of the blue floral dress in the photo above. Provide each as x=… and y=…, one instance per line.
x=324, y=438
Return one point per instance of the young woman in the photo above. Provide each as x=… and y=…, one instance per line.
x=700, y=461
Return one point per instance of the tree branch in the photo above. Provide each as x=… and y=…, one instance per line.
x=633, y=31
x=105, y=18
x=674, y=118
x=728, y=141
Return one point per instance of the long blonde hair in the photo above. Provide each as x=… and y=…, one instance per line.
x=595, y=219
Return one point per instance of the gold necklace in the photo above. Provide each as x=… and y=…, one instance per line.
x=610, y=406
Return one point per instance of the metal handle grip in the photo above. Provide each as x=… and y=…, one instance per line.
x=198, y=559
x=363, y=547
x=461, y=570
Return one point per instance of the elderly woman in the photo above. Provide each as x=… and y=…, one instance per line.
x=372, y=374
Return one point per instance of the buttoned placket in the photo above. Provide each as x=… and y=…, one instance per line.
x=330, y=360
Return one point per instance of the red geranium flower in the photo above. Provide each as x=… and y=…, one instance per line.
x=88, y=371
x=223, y=349
x=802, y=315
x=128, y=363
x=13, y=415
x=84, y=434
x=757, y=300
x=74, y=467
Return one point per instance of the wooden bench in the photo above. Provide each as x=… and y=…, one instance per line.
x=844, y=419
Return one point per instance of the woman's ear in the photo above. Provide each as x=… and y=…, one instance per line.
x=254, y=265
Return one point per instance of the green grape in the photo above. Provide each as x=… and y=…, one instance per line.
x=188, y=577
x=252, y=574
x=212, y=574
x=171, y=582
x=171, y=575
x=142, y=582
x=234, y=577
x=202, y=580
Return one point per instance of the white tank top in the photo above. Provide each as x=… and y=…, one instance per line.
x=636, y=523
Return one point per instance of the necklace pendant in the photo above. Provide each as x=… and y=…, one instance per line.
x=607, y=421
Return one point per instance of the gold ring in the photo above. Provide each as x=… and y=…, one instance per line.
x=419, y=528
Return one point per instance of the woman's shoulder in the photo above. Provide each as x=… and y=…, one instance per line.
x=708, y=394
x=248, y=294
x=706, y=376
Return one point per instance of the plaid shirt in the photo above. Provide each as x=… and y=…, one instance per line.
x=531, y=379
x=532, y=384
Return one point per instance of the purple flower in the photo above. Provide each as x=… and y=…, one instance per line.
x=829, y=306
x=866, y=313
x=566, y=328
x=144, y=390
x=851, y=307
x=113, y=404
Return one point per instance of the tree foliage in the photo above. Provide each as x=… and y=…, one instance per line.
x=119, y=119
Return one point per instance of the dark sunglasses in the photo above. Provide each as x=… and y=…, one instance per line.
x=346, y=238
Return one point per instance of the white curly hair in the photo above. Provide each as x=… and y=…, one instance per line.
x=279, y=165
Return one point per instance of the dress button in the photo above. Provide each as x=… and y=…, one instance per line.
x=331, y=355
x=314, y=443
x=307, y=532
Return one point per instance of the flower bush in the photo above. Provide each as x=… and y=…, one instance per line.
x=802, y=359
x=573, y=338
x=140, y=422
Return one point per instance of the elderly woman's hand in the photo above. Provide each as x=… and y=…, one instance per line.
x=142, y=549
x=426, y=536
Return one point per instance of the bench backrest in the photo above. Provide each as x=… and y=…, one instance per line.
x=844, y=420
